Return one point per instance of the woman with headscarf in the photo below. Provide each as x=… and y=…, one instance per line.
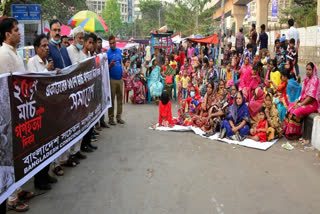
x=255, y=103
x=208, y=101
x=293, y=88
x=250, y=82
x=275, y=130
x=190, y=107
x=307, y=104
x=168, y=74
x=154, y=79
x=236, y=124
x=216, y=114
x=245, y=69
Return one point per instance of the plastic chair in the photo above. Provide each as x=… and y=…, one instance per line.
x=126, y=94
x=148, y=84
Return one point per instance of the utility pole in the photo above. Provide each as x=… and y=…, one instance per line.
x=159, y=18
x=221, y=30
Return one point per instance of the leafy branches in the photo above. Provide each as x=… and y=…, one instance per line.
x=304, y=12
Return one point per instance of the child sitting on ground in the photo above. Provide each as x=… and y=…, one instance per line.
x=165, y=115
x=185, y=80
x=259, y=133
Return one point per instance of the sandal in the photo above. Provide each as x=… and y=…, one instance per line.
x=70, y=163
x=58, y=171
x=25, y=195
x=18, y=206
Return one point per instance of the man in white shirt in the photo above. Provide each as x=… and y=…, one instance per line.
x=39, y=62
x=11, y=62
x=90, y=41
x=75, y=49
x=75, y=54
x=293, y=33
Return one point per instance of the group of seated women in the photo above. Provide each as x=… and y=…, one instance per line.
x=248, y=106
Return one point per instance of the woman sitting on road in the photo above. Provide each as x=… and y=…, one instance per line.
x=255, y=104
x=217, y=114
x=208, y=101
x=190, y=107
x=307, y=104
x=274, y=131
x=236, y=124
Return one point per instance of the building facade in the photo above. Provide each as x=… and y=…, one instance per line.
x=272, y=21
x=98, y=5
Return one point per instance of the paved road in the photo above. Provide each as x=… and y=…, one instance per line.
x=141, y=171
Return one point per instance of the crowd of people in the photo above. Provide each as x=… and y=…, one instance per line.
x=252, y=95
x=53, y=53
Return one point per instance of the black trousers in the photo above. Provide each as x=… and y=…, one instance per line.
x=102, y=119
x=42, y=177
x=87, y=138
x=3, y=207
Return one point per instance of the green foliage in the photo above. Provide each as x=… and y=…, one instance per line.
x=112, y=16
x=304, y=12
x=179, y=18
x=150, y=10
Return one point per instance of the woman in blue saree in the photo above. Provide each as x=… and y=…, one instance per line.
x=236, y=124
x=154, y=79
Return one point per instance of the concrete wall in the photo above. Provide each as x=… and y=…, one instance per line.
x=309, y=43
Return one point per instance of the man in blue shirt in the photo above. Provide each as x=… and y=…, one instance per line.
x=263, y=41
x=57, y=53
x=116, y=82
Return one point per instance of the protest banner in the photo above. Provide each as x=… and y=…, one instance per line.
x=44, y=114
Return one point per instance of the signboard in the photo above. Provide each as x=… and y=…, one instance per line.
x=274, y=11
x=248, y=11
x=26, y=12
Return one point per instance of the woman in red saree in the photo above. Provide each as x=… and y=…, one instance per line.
x=165, y=115
x=307, y=104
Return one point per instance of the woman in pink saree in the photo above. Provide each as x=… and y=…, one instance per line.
x=250, y=82
x=307, y=104
x=244, y=71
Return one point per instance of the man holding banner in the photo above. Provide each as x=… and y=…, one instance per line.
x=11, y=62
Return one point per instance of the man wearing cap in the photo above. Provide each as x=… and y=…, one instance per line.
x=75, y=54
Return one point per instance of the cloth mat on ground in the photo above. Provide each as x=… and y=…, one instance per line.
x=247, y=142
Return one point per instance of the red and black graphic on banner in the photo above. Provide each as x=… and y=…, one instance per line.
x=50, y=111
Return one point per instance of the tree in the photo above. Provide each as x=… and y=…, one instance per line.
x=152, y=11
x=179, y=18
x=304, y=12
x=112, y=16
x=196, y=6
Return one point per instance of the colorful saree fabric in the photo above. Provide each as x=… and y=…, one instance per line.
x=237, y=114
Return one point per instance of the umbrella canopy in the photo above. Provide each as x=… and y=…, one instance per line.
x=81, y=16
x=93, y=25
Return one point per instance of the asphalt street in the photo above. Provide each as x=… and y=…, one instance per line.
x=141, y=171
